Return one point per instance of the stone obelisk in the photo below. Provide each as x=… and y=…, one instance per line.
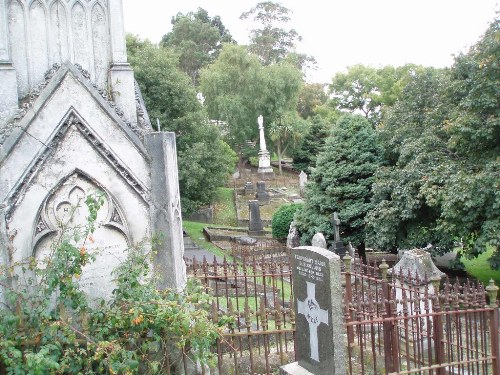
x=265, y=171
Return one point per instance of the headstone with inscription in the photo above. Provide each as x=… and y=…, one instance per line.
x=338, y=246
x=319, y=317
x=255, y=226
x=262, y=195
x=318, y=240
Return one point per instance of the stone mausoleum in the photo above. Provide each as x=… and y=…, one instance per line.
x=73, y=122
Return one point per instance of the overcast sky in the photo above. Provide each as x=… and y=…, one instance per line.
x=339, y=33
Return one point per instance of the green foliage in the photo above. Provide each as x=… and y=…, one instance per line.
x=233, y=86
x=197, y=39
x=305, y=155
x=272, y=42
x=367, y=89
x=342, y=181
x=48, y=325
x=282, y=219
x=311, y=95
x=204, y=159
x=442, y=142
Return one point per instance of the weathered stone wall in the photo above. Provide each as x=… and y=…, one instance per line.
x=59, y=31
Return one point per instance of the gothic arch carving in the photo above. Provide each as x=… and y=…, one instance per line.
x=65, y=206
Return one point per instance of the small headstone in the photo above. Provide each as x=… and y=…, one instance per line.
x=319, y=240
x=262, y=195
x=255, y=226
x=319, y=317
x=302, y=181
x=293, y=238
x=338, y=246
x=249, y=188
x=418, y=263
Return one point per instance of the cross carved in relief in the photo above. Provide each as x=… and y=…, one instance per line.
x=314, y=316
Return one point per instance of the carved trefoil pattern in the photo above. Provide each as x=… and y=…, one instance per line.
x=64, y=212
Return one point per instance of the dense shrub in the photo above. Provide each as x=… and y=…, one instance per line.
x=282, y=219
x=49, y=327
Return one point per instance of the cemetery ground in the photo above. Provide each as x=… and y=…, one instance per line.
x=229, y=206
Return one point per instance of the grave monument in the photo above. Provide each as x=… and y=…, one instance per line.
x=255, y=225
x=73, y=123
x=338, y=246
x=265, y=170
x=302, y=182
x=262, y=195
x=319, y=318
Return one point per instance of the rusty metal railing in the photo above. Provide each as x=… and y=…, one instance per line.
x=407, y=325
x=252, y=294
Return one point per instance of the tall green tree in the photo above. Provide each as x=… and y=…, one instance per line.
x=407, y=192
x=364, y=89
x=311, y=96
x=305, y=155
x=234, y=87
x=204, y=159
x=272, y=42
x=281, y=94
x=342, y=182
x=198, y=39
x=442, y=141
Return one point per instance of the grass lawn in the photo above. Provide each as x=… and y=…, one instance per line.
x=480, y=268
x=224, y=209
x=195, y=231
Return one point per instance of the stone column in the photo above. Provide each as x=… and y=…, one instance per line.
x=121, y=74
x=318, y=310
x=8, y=79
x=166, y=220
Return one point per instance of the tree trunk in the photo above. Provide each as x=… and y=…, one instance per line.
x=279, y=157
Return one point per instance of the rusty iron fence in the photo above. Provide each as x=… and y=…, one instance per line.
x=400, y=324
x=252, y=293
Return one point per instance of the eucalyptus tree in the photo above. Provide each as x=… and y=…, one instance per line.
x=204, y=159
x=197, y=38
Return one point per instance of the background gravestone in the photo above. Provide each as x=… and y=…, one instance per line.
x=318, y=240
x=255, y=226
x=262, y=195
x=338, y=246
x=302, y=181
x=249, y=189
x=318, y=310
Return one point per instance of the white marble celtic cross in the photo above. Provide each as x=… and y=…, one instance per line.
x=314, y=315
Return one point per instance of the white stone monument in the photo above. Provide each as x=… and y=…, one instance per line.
x=265, y=170
x=70, y=138
x=302, y=182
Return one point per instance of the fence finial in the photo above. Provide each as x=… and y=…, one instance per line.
x=383, y=269
x=492, y=291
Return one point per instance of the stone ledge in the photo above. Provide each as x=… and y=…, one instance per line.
x=294, y=369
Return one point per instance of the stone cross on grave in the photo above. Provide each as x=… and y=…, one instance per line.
x=314, y=316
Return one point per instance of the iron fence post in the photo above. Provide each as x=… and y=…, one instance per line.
x=348, y=299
